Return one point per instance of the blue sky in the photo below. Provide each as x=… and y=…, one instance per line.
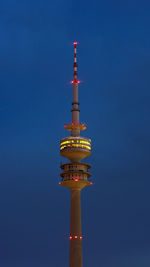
x=36, y=56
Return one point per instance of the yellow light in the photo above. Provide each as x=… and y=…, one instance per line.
x=84, y=142
x=75, y=145
x=65, y=142
x=75, y=141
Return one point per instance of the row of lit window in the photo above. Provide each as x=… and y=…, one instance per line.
x=74, y=168
x=76, y=141
x=73, y=145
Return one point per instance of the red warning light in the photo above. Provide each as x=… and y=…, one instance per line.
x=75, y=82
x=80, y=237
x=70, y=237
x=91, y=183
x=59, y=182
x=75, y=237
x=75, y=43
x=76, y=179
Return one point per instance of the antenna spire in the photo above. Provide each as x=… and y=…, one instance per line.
x=75, y=61
x=75, y=127
x=75, y=80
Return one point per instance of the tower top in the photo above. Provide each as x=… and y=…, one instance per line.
x=75, y=127
x=75, y=80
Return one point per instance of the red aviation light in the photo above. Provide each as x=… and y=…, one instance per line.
x=59, y=182
x=75, y=43
x=91, y=183
x=80, y=237
x=75, y=236
x=72, y=82
x=76, y=179
x=70, y=237
x=74, y=123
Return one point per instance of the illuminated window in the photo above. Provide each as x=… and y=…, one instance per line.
x=75, y=145
x=76, y=141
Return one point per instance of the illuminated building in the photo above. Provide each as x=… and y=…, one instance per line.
x=75, y=174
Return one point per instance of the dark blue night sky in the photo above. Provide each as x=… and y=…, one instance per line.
x=36, y=66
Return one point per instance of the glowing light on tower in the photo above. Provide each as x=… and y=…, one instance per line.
x=75, y=174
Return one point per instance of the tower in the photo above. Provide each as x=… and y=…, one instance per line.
x=75, y=174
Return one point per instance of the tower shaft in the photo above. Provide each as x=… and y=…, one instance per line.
x=75, y=111
x=75, y=230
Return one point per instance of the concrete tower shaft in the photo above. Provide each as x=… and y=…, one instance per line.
x=75, y=104
x=75, y=230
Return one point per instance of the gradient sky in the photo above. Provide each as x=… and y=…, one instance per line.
x=36, y=66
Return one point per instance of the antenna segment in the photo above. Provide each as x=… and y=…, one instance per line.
x=75, y=61
x=75, y=104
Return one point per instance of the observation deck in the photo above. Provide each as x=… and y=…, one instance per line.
x=75, y=148
x=75, y=171
x=75, y=175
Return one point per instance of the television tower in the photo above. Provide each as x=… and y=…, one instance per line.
x=75, y=174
